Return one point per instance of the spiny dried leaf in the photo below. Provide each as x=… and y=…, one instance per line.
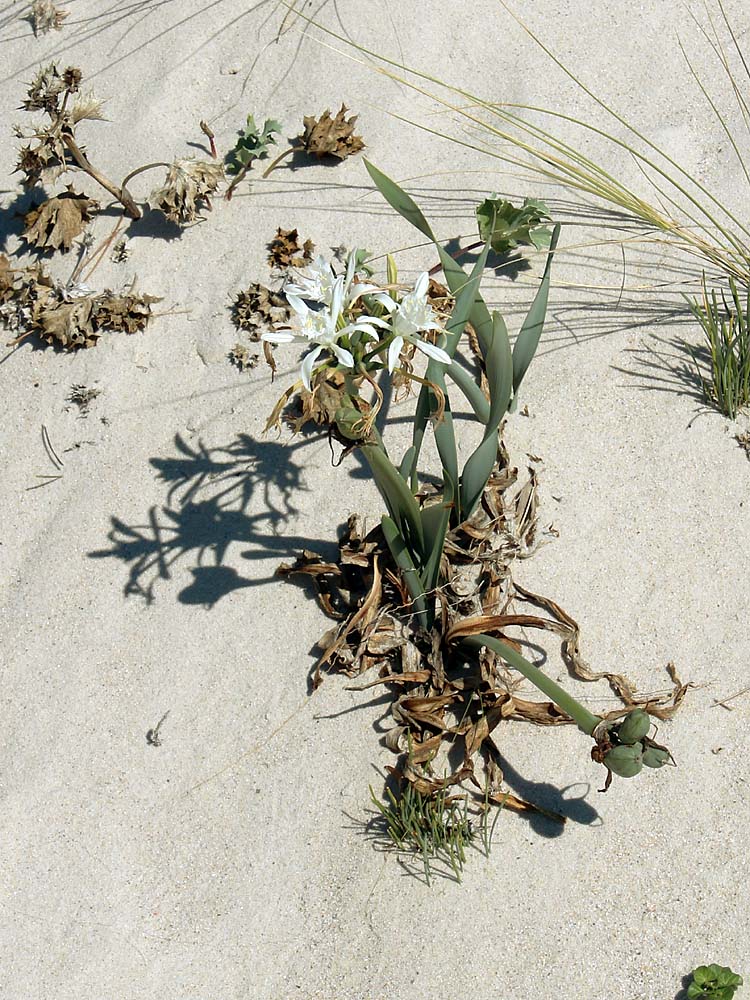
x=257, y=309
x=187, y=188
x=241, y=357
x=327, y=136
x=86, y=107
x=285, y=249
x=46, y=16
x=44, y=91
x=57, y=222
x=128, y=312
x=45, y=159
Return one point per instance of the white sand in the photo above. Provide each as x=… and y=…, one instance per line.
x=229, y=862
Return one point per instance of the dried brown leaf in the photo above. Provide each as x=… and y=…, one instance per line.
x=257, y=309
x=187, y=189
x=57, y=222
x=328, y=136
x=46, y=16
x=285, y=250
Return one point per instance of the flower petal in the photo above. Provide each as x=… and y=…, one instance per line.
x=421, y=285
x=297, y=305
x=278, y=337
x=394, y=350
x=432, y=351
x=343, y=356
x=308, y=363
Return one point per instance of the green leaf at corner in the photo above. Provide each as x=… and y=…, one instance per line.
x=713, y=982
x=506, y=226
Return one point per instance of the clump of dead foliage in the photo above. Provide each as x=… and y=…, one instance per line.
x=442, y=700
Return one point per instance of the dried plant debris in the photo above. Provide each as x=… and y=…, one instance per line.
x=285, y=250
x=120, y=251
x=187, y=188
x=241, y=357
x=32, y=303
x=57, y=95
x=46, y=16
x=439, y=701
x=743, y=440
x=58, y=221
x=257, y=308
x=83, y=396
x=331, y=136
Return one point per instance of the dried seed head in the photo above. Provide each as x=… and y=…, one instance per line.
x=86, y=107
x=45, y=16
x=72, y=77
x=187, y=187
x=44, y=91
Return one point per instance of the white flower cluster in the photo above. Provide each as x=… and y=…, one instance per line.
x=354, y=340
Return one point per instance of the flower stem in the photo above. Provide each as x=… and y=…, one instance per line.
x=585, y=720
x=140, y=170
x=120, y=194
x=277, y=161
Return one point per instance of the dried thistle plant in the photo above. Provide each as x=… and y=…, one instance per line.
x=52, y=148
x=32, y=303
x=285, y=250
x=187, y=187
x=46, y=16
x=331, y=136
x=256, y=309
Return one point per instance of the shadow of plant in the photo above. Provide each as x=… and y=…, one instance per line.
x=209, y=491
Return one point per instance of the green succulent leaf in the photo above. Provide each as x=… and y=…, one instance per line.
x=507, y=226
x=253, y=144
x=713, y=982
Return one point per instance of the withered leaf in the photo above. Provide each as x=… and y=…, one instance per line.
x=46, y=16
x=187, y=189
x=329, y=136
x=57, y=222
x=285, y=249
x=256, y=309
x=241, y=357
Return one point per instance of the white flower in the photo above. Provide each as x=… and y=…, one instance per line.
x=410, y=316
x=316, y=283
x=319, y=328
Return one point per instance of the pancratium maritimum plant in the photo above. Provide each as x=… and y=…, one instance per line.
x=358, y=333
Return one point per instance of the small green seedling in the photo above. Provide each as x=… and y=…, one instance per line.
x=505, y=227
x=253, y=144
x=713, y=982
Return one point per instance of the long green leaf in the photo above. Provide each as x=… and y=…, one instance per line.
x=398, y=497
x=472, y=392
x=405, y=563
x=435, y=522
x=399, y=200
x=531, y=330
x=479, y=465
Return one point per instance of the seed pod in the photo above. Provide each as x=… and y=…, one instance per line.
x=348, y=420
x=626, y=761
x=654, y=756
x=634, y=727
